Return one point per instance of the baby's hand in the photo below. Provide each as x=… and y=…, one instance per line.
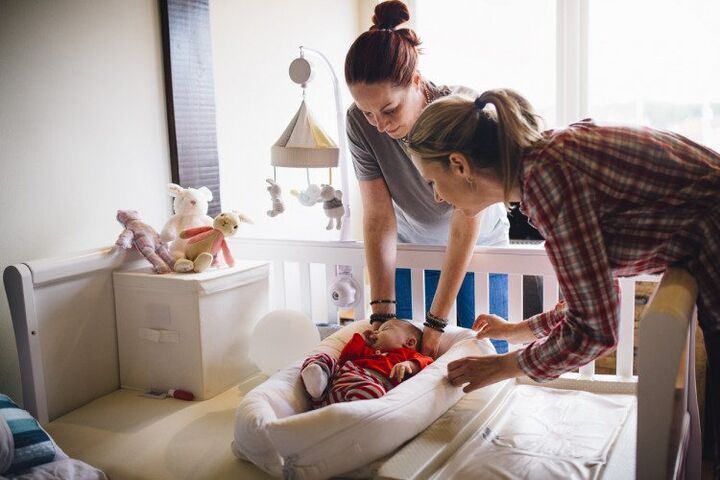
x=400, y=370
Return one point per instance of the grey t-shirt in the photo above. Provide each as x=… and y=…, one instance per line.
x=420, y=219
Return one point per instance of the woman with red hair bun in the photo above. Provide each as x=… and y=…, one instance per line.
x=398, y=205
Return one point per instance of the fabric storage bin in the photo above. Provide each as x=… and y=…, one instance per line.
x=188, y=331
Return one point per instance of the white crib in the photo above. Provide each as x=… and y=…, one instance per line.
x=51, y=296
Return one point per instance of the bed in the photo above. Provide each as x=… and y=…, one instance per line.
x=71, y=381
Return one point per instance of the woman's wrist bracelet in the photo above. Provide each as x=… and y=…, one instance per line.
x=381, y=317
x=375, y=302
x=435, y=322
x=434, y=318
x=434, y=326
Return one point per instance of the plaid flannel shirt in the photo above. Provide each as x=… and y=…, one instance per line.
x=611, y=202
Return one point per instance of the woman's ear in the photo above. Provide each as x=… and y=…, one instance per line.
x=416, y=79
x=459, y=164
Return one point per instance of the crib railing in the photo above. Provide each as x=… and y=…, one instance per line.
x=668, y=443
x=298, y=282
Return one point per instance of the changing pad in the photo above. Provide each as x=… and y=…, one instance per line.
x=275, y=430
x=543, y=433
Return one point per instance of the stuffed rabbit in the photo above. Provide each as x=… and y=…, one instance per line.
x=190, y=206
x=278, y=206
x=204, y=243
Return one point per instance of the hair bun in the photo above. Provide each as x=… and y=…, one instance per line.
x=389, y=15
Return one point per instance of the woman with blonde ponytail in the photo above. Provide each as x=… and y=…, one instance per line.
x=609, y=201
x=398, y=205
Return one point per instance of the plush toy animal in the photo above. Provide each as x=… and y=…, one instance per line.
x=332, y=206
x=308, y=197
x=143, y=237
x=190, y=206
x=278, y=206
x=204, y=243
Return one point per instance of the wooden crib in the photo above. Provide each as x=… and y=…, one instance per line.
x=75, y=294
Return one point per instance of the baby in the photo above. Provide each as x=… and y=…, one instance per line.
x=369, y=365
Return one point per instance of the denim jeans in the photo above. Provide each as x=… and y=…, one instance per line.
x=498, y=286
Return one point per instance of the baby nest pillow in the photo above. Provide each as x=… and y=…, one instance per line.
x=276, y=430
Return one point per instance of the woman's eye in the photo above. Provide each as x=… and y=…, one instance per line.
x=430, y=183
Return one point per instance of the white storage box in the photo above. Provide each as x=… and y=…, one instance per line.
x=188, y=331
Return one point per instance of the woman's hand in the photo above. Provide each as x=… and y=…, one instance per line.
x=492, y=326
x=430, y=342
x=479, y=372
x=400, y=370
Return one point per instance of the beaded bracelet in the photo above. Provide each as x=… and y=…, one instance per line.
x=434, y=326
x=429, y=316
x=381, y=317
x=375, y=302
x=435, y=322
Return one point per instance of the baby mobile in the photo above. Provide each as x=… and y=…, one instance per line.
x=304, y=144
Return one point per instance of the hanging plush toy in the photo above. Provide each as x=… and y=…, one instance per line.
x=278, y=206
x=308, y=197
x=143, y=237
x=204, y=243
x=332, y=206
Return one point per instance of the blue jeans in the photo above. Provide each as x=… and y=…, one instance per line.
x=498, y=285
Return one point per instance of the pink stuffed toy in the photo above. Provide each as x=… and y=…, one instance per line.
x=145, y=239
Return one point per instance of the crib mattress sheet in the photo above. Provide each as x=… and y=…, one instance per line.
x=133, y=437
x=597, y=442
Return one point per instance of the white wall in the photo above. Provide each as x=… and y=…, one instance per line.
x=83, y=131
x=254, y=42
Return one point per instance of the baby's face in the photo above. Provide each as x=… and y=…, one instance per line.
x=391, y=335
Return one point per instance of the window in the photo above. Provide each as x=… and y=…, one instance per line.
x=486, y=44
x=644, y=62
x=657, y=64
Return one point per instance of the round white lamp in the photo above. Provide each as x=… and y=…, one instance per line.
x=281, y=337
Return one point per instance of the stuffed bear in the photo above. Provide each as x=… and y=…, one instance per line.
x=190, y=206
x=204, y=243
x=332, y=206
x=143, y=237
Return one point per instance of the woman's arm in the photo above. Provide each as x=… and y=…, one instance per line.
x=380, y=237
x=462, y=237
x=562, y=204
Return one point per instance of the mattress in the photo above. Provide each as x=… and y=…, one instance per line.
x=133, y=437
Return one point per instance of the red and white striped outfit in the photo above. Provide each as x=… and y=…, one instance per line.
x=361, y=373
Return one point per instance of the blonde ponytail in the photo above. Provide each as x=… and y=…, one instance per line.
x=490, y=138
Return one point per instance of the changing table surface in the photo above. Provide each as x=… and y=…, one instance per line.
x=129, y=436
